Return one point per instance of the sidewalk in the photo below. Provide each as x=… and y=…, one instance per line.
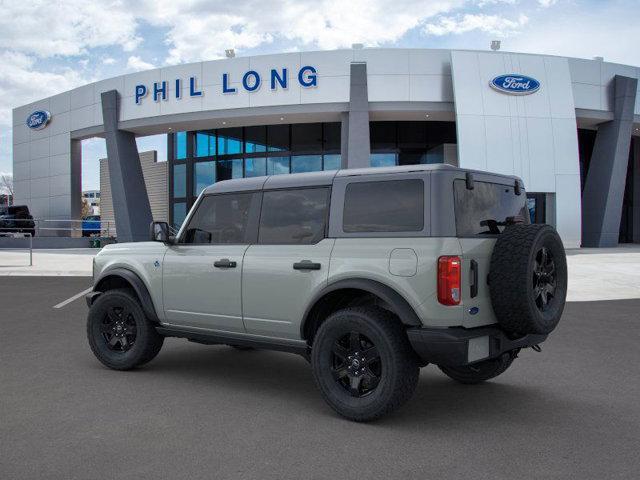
x=594, y=274
x=69, y=262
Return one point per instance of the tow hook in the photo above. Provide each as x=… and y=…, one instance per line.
x=536, y=348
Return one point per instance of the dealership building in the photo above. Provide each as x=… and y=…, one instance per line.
x=568, y=127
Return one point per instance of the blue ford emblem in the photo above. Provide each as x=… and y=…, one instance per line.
x=515, y=84
x=38, y=119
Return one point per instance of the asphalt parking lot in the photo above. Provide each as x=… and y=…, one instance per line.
x=572, y=411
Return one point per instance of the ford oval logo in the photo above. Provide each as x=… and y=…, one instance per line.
x=38, y=119
x=515, y=84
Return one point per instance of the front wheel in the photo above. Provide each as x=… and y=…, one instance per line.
x=119, y=333
x=481, y=371
x=363, y=363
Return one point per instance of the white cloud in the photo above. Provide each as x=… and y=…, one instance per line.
x=491, y=24
x=108, y=61
x=72, y=27
x=214, y=26
x=135, y=63
x=589, y=37
x=21, y=83
x=547, y=3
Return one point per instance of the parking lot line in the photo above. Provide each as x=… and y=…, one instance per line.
x=71, y=299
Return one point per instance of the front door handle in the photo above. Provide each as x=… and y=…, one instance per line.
x=306, y=265
x=224, y=263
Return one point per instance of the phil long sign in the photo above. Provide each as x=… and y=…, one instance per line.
x=250, y=81
x=515, y=84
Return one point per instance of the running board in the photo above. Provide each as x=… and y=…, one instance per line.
x=215, y=338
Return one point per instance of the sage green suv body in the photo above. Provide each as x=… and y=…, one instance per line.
x=265, y=262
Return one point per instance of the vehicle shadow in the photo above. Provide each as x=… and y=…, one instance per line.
x=438, y=401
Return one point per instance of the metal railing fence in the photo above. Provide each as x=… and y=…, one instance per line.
x=58, y=228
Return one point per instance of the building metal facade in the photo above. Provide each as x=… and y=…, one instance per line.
x=567, y=126
x=155, y=178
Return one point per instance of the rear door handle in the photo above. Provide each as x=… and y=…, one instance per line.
x=224, y=263
x=474, y=279
x=306, y=265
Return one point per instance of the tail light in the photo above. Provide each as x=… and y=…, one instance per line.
x=449, y=280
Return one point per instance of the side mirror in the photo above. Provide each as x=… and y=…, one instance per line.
x=159, y=232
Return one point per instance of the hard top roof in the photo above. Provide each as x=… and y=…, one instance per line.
x=310, y=179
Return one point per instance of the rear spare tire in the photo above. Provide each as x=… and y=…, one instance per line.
x=528, y=279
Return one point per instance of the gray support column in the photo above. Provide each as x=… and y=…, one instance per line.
x=344, y=140
x=129, y=193
x=358, y=146
x=636, y=189
x=604, y=187
x=76, y=184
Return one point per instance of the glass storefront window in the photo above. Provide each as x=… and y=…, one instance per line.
x=332, y=133
x=180, y=180
x=179, y=214
x=383, y=135
x=277, y=165
x=255, y=139
x=205, y=144
x=306, y=163
x=229, y=141
x=180, y=146
x=332, y=162
x=278, y=137
x=228, y=169
x=306, y=137
x=255, y=167
x=204, y=174
x=383, y=159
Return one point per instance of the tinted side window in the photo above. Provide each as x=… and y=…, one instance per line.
x=220, y=219
x=297, y=216
x=386, y=206
x=485, y=209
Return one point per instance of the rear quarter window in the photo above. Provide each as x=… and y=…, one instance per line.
x=384, y=206
x=485, y=209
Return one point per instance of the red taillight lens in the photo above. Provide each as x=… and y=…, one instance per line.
x=449, y=280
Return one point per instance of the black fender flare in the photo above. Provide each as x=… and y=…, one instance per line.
x=135, y=282
x=397, y=302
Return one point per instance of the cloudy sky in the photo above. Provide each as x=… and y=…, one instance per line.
x=47, y=47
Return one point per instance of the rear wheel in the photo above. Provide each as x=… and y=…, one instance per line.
x=363, y=363
x=481, y=371
x=119, y=333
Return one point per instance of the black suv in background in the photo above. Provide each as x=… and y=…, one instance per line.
x=17, y=219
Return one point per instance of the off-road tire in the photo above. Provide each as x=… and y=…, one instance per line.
x=481, y=371
x=148, y=341
x=398, y=362
x=512, y=279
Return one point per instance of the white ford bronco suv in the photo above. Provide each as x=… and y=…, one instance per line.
x=370, y=274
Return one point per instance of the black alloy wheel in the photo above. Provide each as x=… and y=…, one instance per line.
x=119, y=333
x=356, y=364
x=544, y=279
x=363, y=363
x=119, y=328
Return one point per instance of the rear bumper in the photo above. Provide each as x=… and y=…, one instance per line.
x=459, y=346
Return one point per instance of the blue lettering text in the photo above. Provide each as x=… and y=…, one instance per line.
x=309, y=80
x=251, y=86
x=192, y=88
x=157, y=90
x=225, y=84
x=275, y=77
x=141, y=91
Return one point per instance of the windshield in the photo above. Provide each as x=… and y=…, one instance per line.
x=488, y=208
